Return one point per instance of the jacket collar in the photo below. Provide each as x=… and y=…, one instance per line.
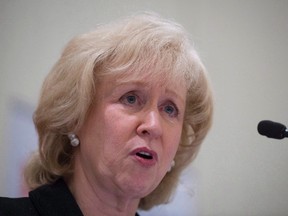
x=55, y=199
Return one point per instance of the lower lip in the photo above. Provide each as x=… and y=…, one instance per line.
x=145, y=162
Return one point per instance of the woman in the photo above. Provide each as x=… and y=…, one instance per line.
x=121, y=114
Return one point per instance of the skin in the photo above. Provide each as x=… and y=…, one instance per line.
x=109, y=178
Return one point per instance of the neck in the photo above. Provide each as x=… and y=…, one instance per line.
x=93, y=198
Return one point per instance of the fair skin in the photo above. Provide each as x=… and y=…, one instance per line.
x=127, y=144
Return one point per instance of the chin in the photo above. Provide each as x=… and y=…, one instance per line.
x=140, y=187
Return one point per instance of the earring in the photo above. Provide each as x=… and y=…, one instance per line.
x=171, y=166
x=74, y=141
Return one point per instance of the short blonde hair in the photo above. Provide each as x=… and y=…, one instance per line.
x=142, y=43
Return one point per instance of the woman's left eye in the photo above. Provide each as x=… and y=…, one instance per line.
x=171, y=110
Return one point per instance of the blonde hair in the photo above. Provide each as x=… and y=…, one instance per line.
x=140, y=44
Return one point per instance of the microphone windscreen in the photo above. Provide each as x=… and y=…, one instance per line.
x=271, y=129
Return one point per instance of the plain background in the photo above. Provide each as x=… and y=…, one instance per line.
x=243, y=44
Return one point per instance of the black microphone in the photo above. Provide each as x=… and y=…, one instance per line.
x=272, y=129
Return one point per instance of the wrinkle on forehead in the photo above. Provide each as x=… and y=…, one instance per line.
x=151, y=78
x=166, y=70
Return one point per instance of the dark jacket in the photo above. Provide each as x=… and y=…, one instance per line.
x=47, y=200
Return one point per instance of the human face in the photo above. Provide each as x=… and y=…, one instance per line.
x=131, y=135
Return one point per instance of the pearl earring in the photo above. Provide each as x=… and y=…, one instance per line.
x=171, y=166
x=74, y=141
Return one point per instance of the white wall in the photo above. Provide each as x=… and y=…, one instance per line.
x=244, y=46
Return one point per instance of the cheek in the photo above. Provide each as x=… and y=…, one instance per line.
x=117, y=122
x=173, y=138
x=115, y=129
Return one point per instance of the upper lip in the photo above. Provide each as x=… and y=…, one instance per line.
x=145, y=152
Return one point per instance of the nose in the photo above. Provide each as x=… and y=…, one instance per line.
x=150, y=124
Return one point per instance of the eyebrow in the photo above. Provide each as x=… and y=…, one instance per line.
x=175, y=94
x=148, y=85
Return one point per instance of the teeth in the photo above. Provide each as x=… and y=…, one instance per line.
x=145, y=153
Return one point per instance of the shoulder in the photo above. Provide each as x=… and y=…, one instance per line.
x=54, y=199
x=16, y=207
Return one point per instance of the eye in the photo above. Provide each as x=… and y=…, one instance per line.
x=130, y=99
x=171, y=110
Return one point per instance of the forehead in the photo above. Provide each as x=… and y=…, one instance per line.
x=151, y=78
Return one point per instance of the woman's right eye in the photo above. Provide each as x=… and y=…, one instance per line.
x=129, y=99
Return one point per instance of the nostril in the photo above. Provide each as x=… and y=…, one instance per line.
x=145, y=132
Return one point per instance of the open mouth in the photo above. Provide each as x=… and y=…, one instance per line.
x=145, y=155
